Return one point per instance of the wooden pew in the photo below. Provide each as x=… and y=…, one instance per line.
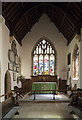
x=8, y=107
x=76, y=103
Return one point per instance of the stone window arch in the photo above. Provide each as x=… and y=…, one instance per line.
x=76, y=63
x=43, y=58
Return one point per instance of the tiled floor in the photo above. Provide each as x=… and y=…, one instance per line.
x=44, y=110
x=45, y=97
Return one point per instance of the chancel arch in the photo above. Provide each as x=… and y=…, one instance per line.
x=44, y=58
x=76, y=63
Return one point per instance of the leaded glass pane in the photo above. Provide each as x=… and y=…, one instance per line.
x=43, y=46
x=77, y=67
x=76, y=64
x=45, y=51
x=48, y=49
x=73, y=68
x=52, y=65
x=53, y=51
x=46, y=64
x=42, y=51
x=44, y=41
x=35, y=65
x=41, y=64
x=39, y=49
x=34, y=52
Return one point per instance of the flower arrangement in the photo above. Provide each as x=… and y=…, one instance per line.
x=21, y=78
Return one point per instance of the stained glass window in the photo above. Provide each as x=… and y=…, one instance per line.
x=39, y=49
x=40, y=64
x=44, y=62
x=48, y=49
x=76, y=63
x=35, y=65
x=52, y=65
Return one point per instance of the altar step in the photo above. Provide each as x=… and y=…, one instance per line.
x=40, y=101
x=43, y=98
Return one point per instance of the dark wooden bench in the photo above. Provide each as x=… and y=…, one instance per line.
x=9, y=109
x=18, y=91
x=76, y=110
x=76, y=103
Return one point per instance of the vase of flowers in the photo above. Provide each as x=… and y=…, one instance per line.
x=21, y=78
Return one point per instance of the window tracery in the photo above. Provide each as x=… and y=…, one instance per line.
x=44, y=59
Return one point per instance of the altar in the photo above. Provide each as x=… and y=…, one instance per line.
x=44, y=86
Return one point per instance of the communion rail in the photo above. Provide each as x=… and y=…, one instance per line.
x=7, y=94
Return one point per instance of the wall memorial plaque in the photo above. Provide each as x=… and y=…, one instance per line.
x=16, y=60
x=10, y=66
x=14, y=76
x=11, y=56
x=13, y=47
x=17, y=69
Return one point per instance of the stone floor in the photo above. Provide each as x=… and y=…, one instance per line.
x=60, y=97
x=45, y=97
x=44, y=111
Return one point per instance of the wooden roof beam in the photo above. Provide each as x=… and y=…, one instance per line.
x=10, y=28
x=71, y=38
x=36, y=12
x=27, y=24
x=23, y=13
x=71, y=18
x=10, y=12
x=64, y=17
x=64, y=32
x=10, y=5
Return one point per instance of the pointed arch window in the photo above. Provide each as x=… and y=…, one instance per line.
x=35, y=65
x=76, y=63
x=44, y=59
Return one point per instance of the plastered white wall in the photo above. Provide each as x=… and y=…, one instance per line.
x=70, y=50
x=0, y=52
x=0, y=41
x=6, y=45
x=43, y=28
x=81, y=60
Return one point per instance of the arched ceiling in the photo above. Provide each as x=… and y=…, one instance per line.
x=21, y=16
